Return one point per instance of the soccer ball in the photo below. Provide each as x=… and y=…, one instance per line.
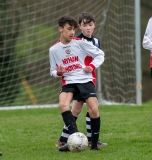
x=77, y=142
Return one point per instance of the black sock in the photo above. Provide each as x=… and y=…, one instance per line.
x=65, y=133
x=95, y=126
x=69, y=121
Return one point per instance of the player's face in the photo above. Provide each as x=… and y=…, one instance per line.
x=87, y=28
x=67, y=33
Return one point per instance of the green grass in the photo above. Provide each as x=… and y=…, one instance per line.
x=31, y=134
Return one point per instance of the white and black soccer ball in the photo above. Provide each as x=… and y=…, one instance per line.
x=77, y=142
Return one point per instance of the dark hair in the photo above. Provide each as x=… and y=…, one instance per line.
x=67, y=19
x=87, y=16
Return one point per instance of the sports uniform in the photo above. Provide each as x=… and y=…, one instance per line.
x=74, y=57
x=147, y=40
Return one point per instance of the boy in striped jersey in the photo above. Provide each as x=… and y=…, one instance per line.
x=87, y=26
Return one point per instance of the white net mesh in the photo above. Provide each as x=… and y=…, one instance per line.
x=118, y=71
x=29, y=27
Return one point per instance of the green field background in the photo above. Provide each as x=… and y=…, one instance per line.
x=31, y=134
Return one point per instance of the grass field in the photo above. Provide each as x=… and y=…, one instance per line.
x=31, y=134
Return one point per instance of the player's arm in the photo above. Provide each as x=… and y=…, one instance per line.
x=147, y=39
x=93, y=51
x=55, y=70
x=60, y=70
x=89, y=69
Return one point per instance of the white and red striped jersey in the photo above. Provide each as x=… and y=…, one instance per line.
x=74, y=57
x=147, y=40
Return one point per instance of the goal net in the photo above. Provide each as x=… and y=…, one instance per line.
x=29, y=27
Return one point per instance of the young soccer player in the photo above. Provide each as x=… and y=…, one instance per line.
x=86, y=25
x=69, y=59
x=147, y=40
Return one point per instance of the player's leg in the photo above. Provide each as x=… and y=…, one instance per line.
x=76, y=109
x=91, y=89
x=69, y=121
x=89, y=133
x=88, y=93
x=92, y=104
x=64, y=105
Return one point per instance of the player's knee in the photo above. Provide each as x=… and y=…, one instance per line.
x=76, y=112
x=62, y=105
x=93, y=112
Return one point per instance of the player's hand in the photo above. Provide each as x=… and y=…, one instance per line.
x=60, y=69
x=88, y=69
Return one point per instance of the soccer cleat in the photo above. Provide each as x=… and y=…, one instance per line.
x=1, y=154
x=64, y=148
x=59, y=143
x=95, y=149
x=99, y=144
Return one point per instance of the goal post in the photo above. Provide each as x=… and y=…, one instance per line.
x=138, y=53
x=29, y=28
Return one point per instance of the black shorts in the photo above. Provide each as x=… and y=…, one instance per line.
x=81, y=91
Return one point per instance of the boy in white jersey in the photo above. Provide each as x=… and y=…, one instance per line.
x=87, y=26
x=147, y=40
x=69, y=59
